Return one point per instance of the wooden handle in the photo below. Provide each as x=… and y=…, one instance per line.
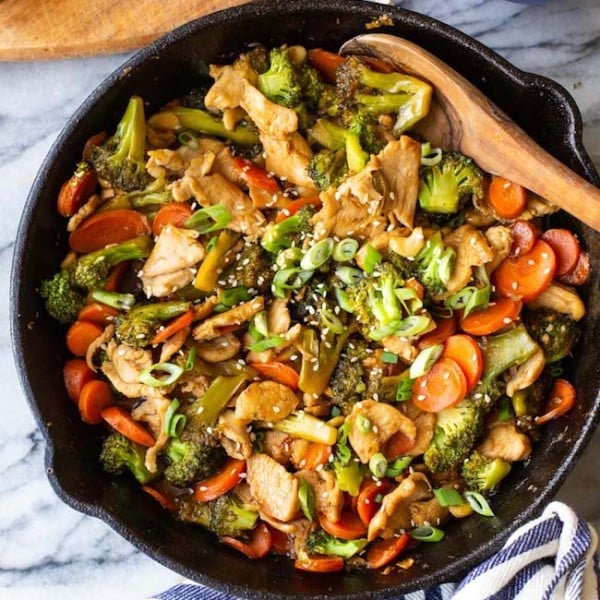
x=465, y=120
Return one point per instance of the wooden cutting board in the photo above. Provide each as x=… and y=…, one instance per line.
x=49, y=29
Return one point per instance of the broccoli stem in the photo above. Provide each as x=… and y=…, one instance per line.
x=305, y=426
x=131, y=131
x=206, y=409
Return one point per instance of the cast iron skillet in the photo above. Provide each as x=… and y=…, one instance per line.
x=163, y=71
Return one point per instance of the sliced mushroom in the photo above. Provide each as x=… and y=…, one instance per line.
x=235, y=437
x=526, y=373
x=218, y=349
x=265, y=401
x=561, y=298
x=505, y=441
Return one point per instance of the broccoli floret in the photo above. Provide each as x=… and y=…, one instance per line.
x=138, y=326
x=347, y=383
x=63, y=299
x=91, y=270
x=191, y=460
x=328, y=168
x=447, y=186
x=456, y=430
x=321, y=542
x=121, y=159
x=252, y=270
x=555, y=332
x=289, y=232
x=329, y=134
x=483, y=474
x=120, y=454
x=280, y=83
x=434, y=264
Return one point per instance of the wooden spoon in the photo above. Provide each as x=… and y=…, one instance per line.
x=463, y=119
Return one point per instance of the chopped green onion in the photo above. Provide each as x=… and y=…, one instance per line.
x=189, y=139
x=173, y=372
x=266, y=344
x=343, y=454
x=389, y=358
x=556, y=369
x=343, y=299
x=114, y=299
x=409, y=298
x=404, y=390
x=426, y=533
x=479, y=504
x=371, y=259
x=446, y=265
x=460, y=299
x=345, y=250
x=378, y=465
x=261, y=323
x=425, y=360
x=331, y=321
x=307, y=427
x=413, y=325
x=306, y=496
x=232, y=297
x=479, y=299
x=291, y=278
x=398, y=466
x=430, y=156
x=210, y=218
x=349, y=275
x=290, y=257
x=448, y=497
x=506, y=412
x=174, y=422
x=190, y=361
x=363, y=423
x=335, y=411
x=317, y=255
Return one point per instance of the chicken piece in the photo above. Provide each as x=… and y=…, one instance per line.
x=152, y=411
x=174, y=344
x=275, y=490
x=278, y=446
x=425, y=424
x=166, y=160
x=220, y=348
x=85, y=211
x=234, y=434
x=228, y=89
x=278, y=317
x=401, y=346
x=170, y=264
x=129, y=362
x=329, y=499
x=224, y=164
x=399, y=163
x=505, y=441
x=211, y=328
x=407, y=245
x=193, y=384
x=97, y=344
x=372, y=424
x=428, y=512
x=500, y=240
x=537, y=207
x=394, y=512
x=561, y=298
x=526, y=373
x=265, y=401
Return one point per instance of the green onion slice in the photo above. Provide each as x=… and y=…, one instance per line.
x=479, y=299
x=306, y=496
x=210, y=218
x=398, y=466
x=371, y=259
x=349, y=275
x=425, y=360
x=345, y=250
x=363, y=423
x=446, y=267
x=479, y=504
x=189, y=139
x=173, y=372
x=430, y=156
x=331, y=321
x=114, y=299
x=212, y=243
x=413, y=325
x=409, y=298
x=261, y=323
x=427, y=533
x=190, y=361
x=389, y=358
x=317, y=255
x=266, y=344
x=506, y=412
x=404, y=389
x=174, y=422
x=448, y=497
x=378, y=465
x=291, y=278
x=290, y=257
x=343, y=299
x=460, y=299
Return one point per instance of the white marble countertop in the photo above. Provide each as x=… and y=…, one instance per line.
x=47, y=550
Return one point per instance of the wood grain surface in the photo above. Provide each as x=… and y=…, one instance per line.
x=50, y=29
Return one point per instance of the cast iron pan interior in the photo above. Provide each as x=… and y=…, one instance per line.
x=163, y=71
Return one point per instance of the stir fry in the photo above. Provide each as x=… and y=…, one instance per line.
x=300, y=325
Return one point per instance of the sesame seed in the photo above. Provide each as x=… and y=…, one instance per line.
x=506, y=320
x=531, y=262
x=545, y=255
x=421, y=397
x=514, y=285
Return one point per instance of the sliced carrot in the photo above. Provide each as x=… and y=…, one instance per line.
x=579, y=275
x=171, y=328
x=295, y=205
x=256, y=176
x=325, y=62
x=527, y=276
x=281, y=543
x=315, y=455
x=319, y=564
x=118, y=418
x=524, y=234
x=508, y=199
x=96, y=395
x=398, y=445
x=173, y=213
x=258, y=546
x=98, y=313
x=467, y=353
x=115, y=277
x=561, y=400
x=492, y=318
x=349, y=527
x=384, y=552
x=278, y=371
x=367, y=503
x=220, y=483
x=80, y=335
x=444, y=386
x=96, y=140
x=443, y=330
x=76, y=191
x=76, y=374
x=566, y=248
x=164, y=500
x=110, y=227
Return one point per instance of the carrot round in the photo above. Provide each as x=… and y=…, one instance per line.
x=110, y=227
x=258, y=546
x=76, y=374
x=398, y=445
x=96, y=395
x=281, y=543
x=561, y=400
x=256, y=176
x=164, y=500
x=220, y=483
x=527, y=276
x=367, y=504
x=177, y=324
x=98, y=313
x=315, y=455
x=173, y=213
x=115, y=277
x=76, y=191
x=466, y=352
x=508, y=199
x=444, y=386
x=524, y=235
x=295, y=205
x=566, y=248
x=349, y=526
x=325, y=62
x=443, y=330
x=119, y=419
x=492, y=318
x=383, y=552
x=319, y=564
x=278, y=371
x=579, y=275
x=80, y=335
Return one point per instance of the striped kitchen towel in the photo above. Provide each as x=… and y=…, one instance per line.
x=550, y=558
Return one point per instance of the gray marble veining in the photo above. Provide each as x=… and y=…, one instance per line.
x=49, y=551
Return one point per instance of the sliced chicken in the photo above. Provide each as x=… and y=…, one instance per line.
x=526, y=373
x=273, y=487
x=130, y=362
x=228, y=89
x=278, y=317
x=220, y=348
x=211, y=328
x=152, y=411
x=561, y=298
x=425, y=424
x=265, y=401
x=86, y=210
x=97, y=344
x=505, y=441
x=329, y=499
x=278, y=446
x=428, y=512
x=174, y=344
x=401, y=346
x=234, y=434
x=500, y=240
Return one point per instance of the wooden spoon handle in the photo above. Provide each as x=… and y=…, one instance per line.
x=466, y=120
